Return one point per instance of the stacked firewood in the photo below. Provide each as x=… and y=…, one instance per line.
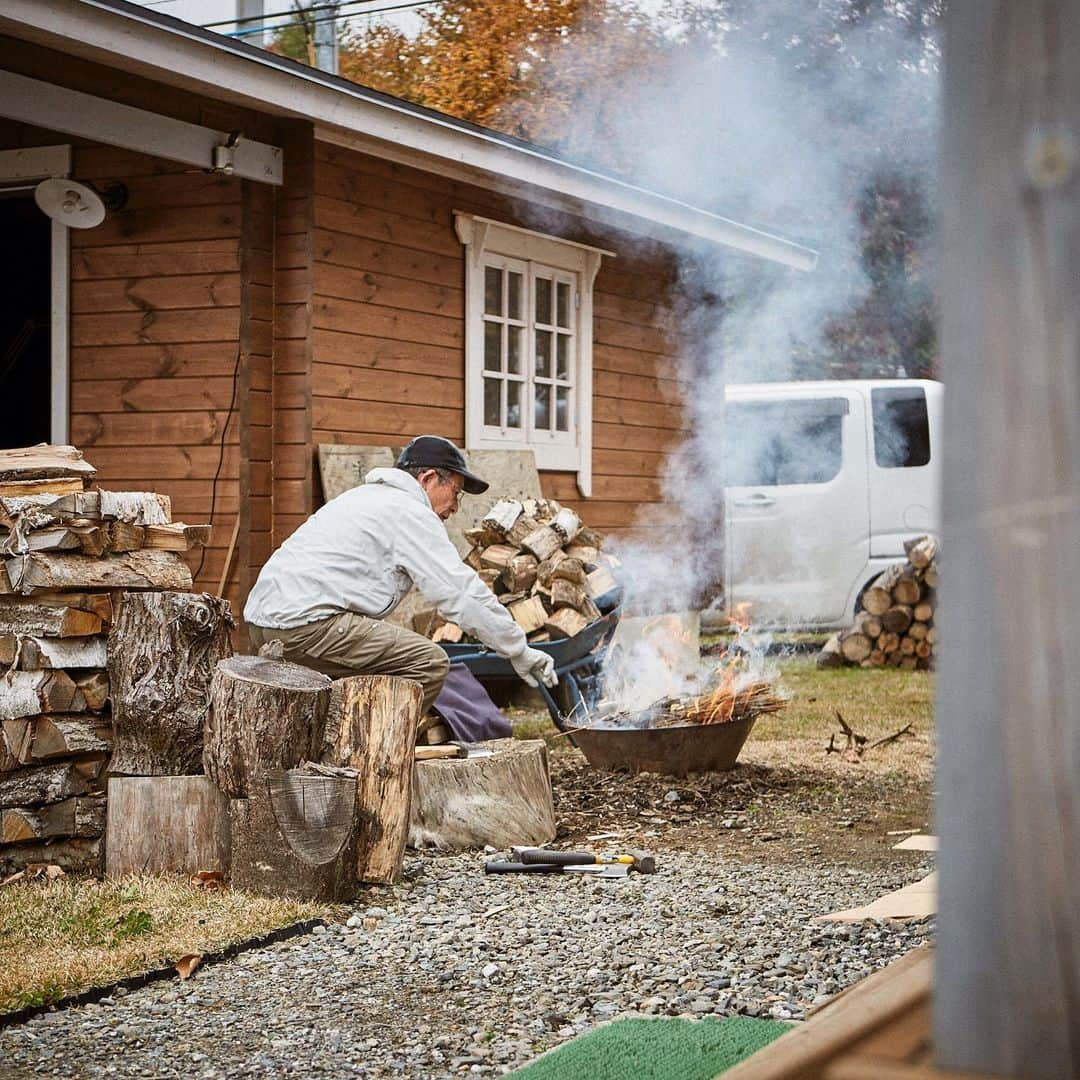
x=895, y=624
x=545, y=567
x=65, y=548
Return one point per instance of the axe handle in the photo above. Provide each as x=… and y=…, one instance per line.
x=497, y=867
x=532, y=856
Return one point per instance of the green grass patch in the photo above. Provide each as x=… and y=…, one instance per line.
x=65, y=936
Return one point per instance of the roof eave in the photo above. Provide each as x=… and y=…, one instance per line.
x=128, y=38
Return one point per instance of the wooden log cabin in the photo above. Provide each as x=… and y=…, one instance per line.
x=299, y=260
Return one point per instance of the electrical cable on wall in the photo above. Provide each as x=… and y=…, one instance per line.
x=221, y=455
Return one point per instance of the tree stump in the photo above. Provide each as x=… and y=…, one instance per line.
x=296, y=836
x=162, y=651
x=264, y=715
x=372, y=729
x=161, y=824
x=502, y=800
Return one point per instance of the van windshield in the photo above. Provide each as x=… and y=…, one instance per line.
x=770, y=444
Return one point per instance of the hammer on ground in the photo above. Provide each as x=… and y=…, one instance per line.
x=641, y=861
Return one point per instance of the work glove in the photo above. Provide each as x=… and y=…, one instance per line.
x=535, y=666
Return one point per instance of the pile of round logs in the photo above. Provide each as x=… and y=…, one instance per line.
x=895, y=624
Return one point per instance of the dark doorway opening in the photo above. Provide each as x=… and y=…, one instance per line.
x=25, y=326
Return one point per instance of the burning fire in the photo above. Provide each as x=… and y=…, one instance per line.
x=739, y=616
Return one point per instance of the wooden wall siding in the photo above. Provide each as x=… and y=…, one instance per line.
x=155, y=302
x=388, y=326
x=293, y=246
x=255, y=385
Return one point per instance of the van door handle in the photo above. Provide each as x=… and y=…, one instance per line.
x=757, y=499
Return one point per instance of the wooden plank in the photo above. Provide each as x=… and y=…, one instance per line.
x=154, y=227
x=364, y=384
x=608, y=410
x=196, y=360
x=156, y=293
x=169, y=394
x=137, y=260
x=1007, y=995
x=218, y=324
x=21, y=617
x=404, y=421
x=131, y=429
x=45, y=654
x=333, y=248
x=376, y=224
x=802, y=1053
x=386, y=354
x=370, y=287
x=377, y=321
x=43, y=462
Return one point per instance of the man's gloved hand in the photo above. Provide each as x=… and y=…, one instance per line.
x=533, y=665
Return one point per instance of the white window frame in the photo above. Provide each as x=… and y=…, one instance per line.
x=487, y=241
x=30, y=166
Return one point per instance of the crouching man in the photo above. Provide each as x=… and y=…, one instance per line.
x=326, y=592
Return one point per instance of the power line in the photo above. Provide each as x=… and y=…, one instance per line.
x=280, y=14
x=323, y=19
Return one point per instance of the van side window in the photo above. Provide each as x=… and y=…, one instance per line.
x=901, y=428
x=770, y=444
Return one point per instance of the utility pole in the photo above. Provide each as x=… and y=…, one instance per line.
x=326, y=47
x=249, y=14
x=1007, y=970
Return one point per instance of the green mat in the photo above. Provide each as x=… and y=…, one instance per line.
x=661, y=1049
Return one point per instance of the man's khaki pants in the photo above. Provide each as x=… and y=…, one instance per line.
x=351, y=644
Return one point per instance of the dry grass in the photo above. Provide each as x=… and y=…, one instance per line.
x=65, y=936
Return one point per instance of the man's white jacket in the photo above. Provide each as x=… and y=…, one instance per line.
x=363, y=551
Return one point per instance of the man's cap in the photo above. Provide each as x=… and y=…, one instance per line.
x=435, y=452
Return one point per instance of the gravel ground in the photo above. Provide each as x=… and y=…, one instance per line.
x=453, y=973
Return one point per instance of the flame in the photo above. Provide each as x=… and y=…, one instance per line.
x=739, y=616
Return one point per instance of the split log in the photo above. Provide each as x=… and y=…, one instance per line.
x=94, y=687
x=16, y=738
x=135, y=507
x=490, y=578
x=930, y=576
x=497, y=557
x=529, y=614
x=907, y=590
x=296, y=836
x=72, y=817
x=931, y=636
x=123, y=536
x=502, y=516
x=600, y=582
x=264, y=715
x=502, y=800
x=372, y=729
x=165, y=824
x=448, y=632
x=474, y=559
x=61, y=485
x=567, y=524
x=566, y=594
x=163, y=650
x=855, y=647
x=877, y=599
x=897, y=619
x=506, y=599
x=43, y=784
x=570, y=569
x=830, y=654
x=867, y=624
x=132, y=570
x=43, y=654
x=588, y=556
x=565, y=623
x=524, y=526
x=520, y=573
x=45, y=460
x=922, y=553
x=177, y=536
x=78, y=855
x=542, y=542
x=27, y=693
x=482, y=537
x=32, y=619
x=66, y=736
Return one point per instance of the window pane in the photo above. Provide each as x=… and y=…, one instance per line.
x=492, y=346
x=543, y=353
x=513, y=349
x=513, y=404
x=562, y=357
x=563, y=303
x=542, y=410
x=492, y=401
x=492, y=290
x=901, y=428
x=513, y=282
x=543, y=300
x=562, y=408
x=770, y=445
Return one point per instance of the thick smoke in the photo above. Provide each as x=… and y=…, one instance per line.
x=740, y=128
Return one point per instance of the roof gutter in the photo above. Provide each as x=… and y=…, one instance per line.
x=129, y=38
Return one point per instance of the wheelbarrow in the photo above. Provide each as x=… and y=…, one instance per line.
x=578, y=663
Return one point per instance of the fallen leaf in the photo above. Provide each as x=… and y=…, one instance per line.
x=186, y=965
x=13, y=878
x=209, y=879
x=370, y=922
x=49, y=871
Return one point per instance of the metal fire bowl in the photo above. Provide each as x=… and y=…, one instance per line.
x=673, y=751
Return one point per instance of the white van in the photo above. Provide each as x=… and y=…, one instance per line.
x=825, y=482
